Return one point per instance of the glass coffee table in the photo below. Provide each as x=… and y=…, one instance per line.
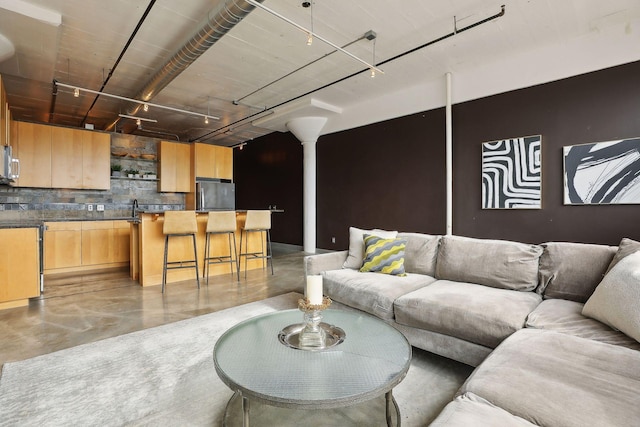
x=373, y=358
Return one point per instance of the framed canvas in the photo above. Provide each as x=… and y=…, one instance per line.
x=602, y=173
x=512, y=173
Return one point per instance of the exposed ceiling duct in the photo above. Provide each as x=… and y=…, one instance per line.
x=219, y=21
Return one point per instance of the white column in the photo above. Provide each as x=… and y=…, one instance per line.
x=307, y=130
x=449, y=158
x=309, y=211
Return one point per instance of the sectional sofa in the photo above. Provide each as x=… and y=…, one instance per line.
x=552, y=329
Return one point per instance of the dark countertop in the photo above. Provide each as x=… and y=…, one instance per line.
x=20, y=224
x=36, y=223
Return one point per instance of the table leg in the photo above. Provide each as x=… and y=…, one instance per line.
x=389, y=400
x=245, y=412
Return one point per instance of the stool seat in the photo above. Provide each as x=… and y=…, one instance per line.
x=221, y=222
x=179, y=224
x=257, y=221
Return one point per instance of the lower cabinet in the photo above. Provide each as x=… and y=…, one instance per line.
x=19, y=266
x=85, y=245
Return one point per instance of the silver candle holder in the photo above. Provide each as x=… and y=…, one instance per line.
x=312, y=335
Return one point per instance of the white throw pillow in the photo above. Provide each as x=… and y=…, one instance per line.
x=616, y=300
x=356, y=245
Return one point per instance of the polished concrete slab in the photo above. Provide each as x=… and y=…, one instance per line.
x=77, y=309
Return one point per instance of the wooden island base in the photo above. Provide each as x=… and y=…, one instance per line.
x=147, y=237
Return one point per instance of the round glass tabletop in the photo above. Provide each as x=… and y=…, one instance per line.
x=373, y=358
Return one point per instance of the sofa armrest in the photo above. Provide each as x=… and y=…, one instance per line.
x=316, y=264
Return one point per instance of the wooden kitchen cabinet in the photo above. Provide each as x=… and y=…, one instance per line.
x=66, y=158
x=96, y=160
x=62, y=245
x=58, y=157
x=4, y=116
x=19, y=266
x=174, y=169
x=80, y=159
x=34, y=151
x=105, y=242
x=213, y=161
x=85, y=245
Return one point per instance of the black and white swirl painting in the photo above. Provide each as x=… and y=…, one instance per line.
x=602, y=173
x=512, y=173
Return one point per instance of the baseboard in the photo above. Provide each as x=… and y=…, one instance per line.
x=286, y=247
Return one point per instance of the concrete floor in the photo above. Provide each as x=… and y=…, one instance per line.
x=77, y=309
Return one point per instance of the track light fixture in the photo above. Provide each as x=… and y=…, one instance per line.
x=137, y=119
x=314, y=35
x=145, y=107
x=137, y=101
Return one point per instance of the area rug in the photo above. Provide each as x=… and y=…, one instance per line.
x=165, y=376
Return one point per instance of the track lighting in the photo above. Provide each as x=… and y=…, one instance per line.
x=76, y=90
x=310, y=32
x=137, y=119
x=145, y=107
x=309, y=40
x=206, y=120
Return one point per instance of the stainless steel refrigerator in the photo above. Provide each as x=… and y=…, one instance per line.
x=215, y=195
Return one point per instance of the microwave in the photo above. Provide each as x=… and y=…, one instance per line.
x=9, y=167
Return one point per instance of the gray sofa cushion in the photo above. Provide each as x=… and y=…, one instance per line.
x=475, y=313
x=573, y=270
x=370, y=292
x=496, y=263
x=421, y=253
x=554, y=379
x=470, y=410
x=616, y=300
x=625, y=248
x=566, y=316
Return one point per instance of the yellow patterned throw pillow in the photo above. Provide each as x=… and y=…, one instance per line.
x=383, y=255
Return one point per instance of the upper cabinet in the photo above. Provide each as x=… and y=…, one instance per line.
x=174, y=169
x=57, y=157
x=34, y=151
x=66, y=158
x=213, y=161
x=96, y=164
x=5, y=116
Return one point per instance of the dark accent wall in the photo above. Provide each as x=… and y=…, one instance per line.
x=387, y=175
x=268, y=172
x=594, y=107
x=391, y=174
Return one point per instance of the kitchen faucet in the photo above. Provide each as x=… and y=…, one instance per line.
x=134, y=208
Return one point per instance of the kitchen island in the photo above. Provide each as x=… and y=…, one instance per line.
x=147, y=249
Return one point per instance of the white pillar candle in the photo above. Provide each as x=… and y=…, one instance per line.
x=314, y=289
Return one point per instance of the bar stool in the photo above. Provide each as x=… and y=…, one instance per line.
x=223, y=222
x=256, y=222
x=179, y=224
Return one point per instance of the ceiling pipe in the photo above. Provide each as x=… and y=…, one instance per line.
x=219, y=21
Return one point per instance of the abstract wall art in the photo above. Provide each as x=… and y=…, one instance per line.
x=512, y=173
x=602, y=173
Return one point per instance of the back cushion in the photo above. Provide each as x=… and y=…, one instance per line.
x=421, y=253
x=496, y=263
x=572, y=271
